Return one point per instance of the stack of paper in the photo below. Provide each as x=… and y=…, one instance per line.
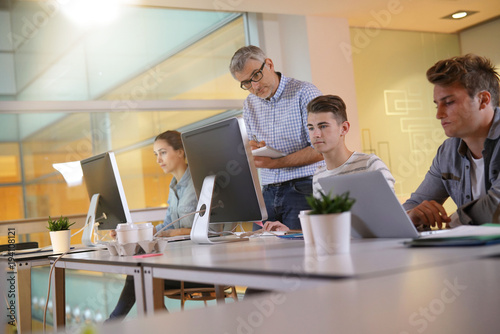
x=268, y=151
x=466, y=235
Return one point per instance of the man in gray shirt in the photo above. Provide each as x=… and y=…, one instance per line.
x=466, y=166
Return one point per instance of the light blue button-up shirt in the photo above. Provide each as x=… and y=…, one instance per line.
x=281, y=122
x=449, y=176
x=181, y=201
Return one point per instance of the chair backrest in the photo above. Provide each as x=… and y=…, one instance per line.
x=219, y=293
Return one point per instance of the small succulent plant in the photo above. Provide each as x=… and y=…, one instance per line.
x=59, y=224
x=330, y=204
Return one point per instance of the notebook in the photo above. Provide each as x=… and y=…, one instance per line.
x=464, y=235
x=268, y=151
x=377, y=212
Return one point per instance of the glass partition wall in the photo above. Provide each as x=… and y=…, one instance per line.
x=137, y=53
x=77, y=136
x=77, y=90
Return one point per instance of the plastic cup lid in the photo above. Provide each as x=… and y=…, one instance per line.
x=144, y=225
x=126, y=227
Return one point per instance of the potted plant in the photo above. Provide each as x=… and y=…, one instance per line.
x=330, y=220
x=60, y=234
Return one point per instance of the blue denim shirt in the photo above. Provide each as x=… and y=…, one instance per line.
x=449, y=175
x=181, y=201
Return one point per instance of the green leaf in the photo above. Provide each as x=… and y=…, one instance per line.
x=326, y=204
x=60, y=224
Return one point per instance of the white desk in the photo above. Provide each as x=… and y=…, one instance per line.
x=285, y=265
x=268, y=263
x=100, y=261
x=459, y=298
x=22, y=276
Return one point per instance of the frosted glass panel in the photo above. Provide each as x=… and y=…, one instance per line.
x=477, y=41
x=11, y=206
x=64, y=80
x=39, y=40
x=199, y=71
x=31, y=123
x=395, y=100
x=7, y=80
x=56, y=59
x=139, y=40
x=76, y=136
x=5, y=43
x=9, y=130
x=146, y=54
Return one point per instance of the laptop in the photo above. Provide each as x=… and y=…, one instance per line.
x=377, y=212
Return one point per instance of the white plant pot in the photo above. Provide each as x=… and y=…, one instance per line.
x=60, y=240
x=331, y=233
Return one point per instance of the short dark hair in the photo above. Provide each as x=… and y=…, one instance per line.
x=173, y=138
x=242, y=55
x=472, y=72
x=329, y=103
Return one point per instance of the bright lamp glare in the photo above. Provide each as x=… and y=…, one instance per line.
x=459, y=15
x=71, y=171
x=90, y=12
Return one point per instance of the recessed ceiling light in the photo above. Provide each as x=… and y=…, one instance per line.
x=459, y=14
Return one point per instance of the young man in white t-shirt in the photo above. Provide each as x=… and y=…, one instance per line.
x=328, y=126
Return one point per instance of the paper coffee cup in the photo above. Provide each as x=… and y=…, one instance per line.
x=145, y=231
x=127, y=233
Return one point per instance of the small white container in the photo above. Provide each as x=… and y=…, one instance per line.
x=61, y=241
x=305, y=223
x=145, y=231
x=331, y=233
x=127, y=233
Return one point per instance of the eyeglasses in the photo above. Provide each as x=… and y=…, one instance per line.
x=256, y=77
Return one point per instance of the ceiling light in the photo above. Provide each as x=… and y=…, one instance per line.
x=90, y=12
x=460, y=14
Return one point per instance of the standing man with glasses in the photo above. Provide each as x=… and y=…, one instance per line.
x=275, y=114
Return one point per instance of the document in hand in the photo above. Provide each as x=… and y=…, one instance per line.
x=268, y=151
x=466, y=235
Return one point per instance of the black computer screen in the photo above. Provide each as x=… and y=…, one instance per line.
x=222, y=149
x=102, y=177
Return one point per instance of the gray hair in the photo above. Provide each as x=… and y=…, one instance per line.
x=243, y=54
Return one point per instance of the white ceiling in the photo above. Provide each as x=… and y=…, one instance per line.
x=414, y=15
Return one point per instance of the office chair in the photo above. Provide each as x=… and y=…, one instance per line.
x=219, y=293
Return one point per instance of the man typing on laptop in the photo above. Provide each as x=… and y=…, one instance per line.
x=466, y=166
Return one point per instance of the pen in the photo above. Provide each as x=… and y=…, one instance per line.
x=147, y=255
x=256, y=140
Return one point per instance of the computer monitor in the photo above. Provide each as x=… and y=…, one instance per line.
x=224, y=177
x=108, y=205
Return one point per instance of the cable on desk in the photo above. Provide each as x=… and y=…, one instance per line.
x=186, y=215
x=48, y=290
x=192, y=213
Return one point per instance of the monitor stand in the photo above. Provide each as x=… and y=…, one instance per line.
x=90, y=222
x=201, y=222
